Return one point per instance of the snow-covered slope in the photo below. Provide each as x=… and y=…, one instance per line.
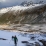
x=32, y=39
x=35, y=13
x=15, y=8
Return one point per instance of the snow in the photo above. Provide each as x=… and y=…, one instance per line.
x=8, y=35
x=15, y=8
x=21, y=37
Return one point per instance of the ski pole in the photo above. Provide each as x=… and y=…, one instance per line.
x=10, y=41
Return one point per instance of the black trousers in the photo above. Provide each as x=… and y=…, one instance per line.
x=15, y=42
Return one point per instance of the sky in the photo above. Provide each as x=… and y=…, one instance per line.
x=9, y=3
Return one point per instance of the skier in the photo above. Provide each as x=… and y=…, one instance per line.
x=15, y=40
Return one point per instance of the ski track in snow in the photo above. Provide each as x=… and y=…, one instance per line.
x=10, y=42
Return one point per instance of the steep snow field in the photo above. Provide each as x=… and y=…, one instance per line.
x=15, y=8
x=31, y=38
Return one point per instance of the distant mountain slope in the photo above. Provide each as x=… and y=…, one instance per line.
x=35, y=13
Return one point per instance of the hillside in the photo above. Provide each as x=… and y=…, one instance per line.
x=35, y=13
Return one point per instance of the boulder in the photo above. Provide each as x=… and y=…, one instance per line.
x=43, y=42
x=25, y=42
x=37, y=44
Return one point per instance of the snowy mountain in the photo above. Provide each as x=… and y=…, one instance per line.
x=27, y=3
x=15, y=8
x=35, y=13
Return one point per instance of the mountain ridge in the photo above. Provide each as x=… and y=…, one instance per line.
x=24, y=15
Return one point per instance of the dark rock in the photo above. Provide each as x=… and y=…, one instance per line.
x=32, y=37
x=3, y=39
x=43, y=41
x=37, y=44
x=25, y=42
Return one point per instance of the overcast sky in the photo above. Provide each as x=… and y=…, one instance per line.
x=8, y=3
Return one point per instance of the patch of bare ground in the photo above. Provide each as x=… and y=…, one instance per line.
x=41, y=28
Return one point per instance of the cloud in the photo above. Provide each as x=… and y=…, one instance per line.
x=2, y=1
